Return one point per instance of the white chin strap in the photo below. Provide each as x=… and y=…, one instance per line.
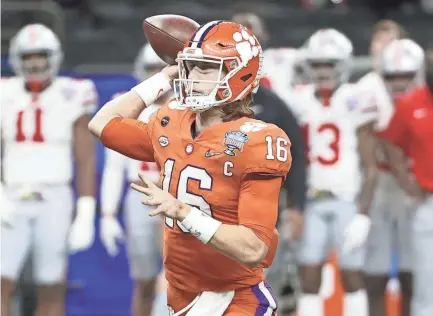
x=201, y=103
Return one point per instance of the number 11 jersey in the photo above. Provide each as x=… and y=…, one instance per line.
x=37, y=129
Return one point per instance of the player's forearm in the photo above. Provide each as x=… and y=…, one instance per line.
x=240, y=244
x=405, y=179
x=84, y=150
x=85, y=161
x=112, y=182
x=128, y=105
x=235, y=241
x=367, y=148
x=400, y=170
x=367, y=190
x=132, y=103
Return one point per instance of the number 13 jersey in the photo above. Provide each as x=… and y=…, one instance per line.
x=37, y=130
x=330, y=140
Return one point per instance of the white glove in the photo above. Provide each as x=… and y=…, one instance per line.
x=356, y=232
x=111, y=233
x=8, y=211
x=82, y=232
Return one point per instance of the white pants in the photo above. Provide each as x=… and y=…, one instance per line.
x=41, y=226
x=325, y=221
x=422, y=301
x=391, y=228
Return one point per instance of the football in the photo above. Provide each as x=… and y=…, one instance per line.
x=167, y=34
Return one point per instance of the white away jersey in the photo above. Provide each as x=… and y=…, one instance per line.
x=37, y=130
x=331, y=142
x=375, y=104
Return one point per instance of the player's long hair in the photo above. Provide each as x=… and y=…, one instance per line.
x=238, y=109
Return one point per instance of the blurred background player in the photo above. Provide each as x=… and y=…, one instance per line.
x=411, y=128
x=44, y=127
x=381, y=196
x=325, y=109
x=144, y=233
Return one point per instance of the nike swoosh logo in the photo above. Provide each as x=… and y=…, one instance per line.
x=209, y=154
x=159, y=93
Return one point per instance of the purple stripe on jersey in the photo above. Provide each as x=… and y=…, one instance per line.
x=271, y=291
x=263, y=301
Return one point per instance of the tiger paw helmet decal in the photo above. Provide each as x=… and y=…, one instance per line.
x=246, y=45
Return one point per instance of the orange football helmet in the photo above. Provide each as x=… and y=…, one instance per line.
x=231, y=47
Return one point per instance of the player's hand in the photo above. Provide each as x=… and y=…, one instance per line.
x=81, y=234
x=414, y=191
x=172, y=72
x=165, y=203
x=111, y=233
x=356, y=232
x=293, y=223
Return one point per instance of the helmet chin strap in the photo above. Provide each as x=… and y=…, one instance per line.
x=202, y=103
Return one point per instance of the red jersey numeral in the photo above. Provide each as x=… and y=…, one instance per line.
x=37, y=135
x=334, y=145
x=144, y=166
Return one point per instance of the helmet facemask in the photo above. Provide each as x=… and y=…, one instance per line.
x=326, y=58
x=326, y=74
x=402, y=67
x=399, y=83
x=214, y=90
x=36, y=67
x=35, y=53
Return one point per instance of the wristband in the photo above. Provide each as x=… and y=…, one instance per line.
x=152, y=88
x=86, y=206
x=201, y=225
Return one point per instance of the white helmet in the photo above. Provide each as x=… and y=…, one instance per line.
x=35, y=39
x=403, y=58
x=146, y=58
x=327, y=46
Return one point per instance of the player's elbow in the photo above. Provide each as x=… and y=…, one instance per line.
x=254, y=253
x=98, y=122
x=371, y=173
x=95, y=126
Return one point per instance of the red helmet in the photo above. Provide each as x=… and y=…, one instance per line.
x=237, y=52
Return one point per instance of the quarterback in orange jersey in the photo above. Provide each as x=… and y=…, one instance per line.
x=221, y=171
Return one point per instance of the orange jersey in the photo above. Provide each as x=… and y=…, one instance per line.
x=213, y=172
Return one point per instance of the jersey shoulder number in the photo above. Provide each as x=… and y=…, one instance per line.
x=267, y=149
